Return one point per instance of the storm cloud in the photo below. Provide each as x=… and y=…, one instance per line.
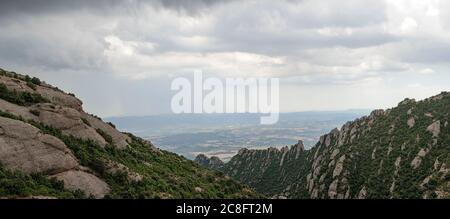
x=332, y=54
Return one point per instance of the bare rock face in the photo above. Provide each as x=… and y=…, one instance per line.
x=23, y=147
x=334, y=153
x=65, y=112
x=299, y=147
x=411, y=122
x=198, y=189
x=24, y=112
x=60, y=98
x=284, y=151
x=14, y=84
x=69, y=121
x=339, y=166
x=397, y=165
x=120, y=140
x=435, y=128
x=415, y=163
x=114, y=167
x=47, y=91
x=86, y=182
x=362, y=193
x=332, y=190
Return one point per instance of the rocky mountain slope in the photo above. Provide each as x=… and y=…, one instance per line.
x=403, y=152
x=51, y=148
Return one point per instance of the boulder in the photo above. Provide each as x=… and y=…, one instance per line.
x=23, y=147
x=86, y=182
x=411, y=122
x=435, y=128
x=114, y=168
x=120, y=140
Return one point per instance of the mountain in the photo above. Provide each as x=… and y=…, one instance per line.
x=403, y=152
x=51, y=148
x=223, y=134
x=211, y=162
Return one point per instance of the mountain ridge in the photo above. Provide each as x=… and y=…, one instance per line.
x=51, y=148
x=402, y=152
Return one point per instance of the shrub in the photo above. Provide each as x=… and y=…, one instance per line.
x=111, y=124
x=31, y=85
x=105, y=136
x=85, y=121
x=36, y=81
x=20, y=98
x=35, y=112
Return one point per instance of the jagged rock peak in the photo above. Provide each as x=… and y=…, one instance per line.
x=212, y=162
x=299, y=146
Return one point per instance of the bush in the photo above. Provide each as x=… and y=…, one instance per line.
x=16, y=184
x=36, y=81
x=35, y=112
x=111, y=124
x=20, y=98
x=85, y=121
x=105, y=136
x=31, y=85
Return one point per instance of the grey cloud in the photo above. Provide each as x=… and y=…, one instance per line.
x=191, y=6
x=14, y=7
x=51, y=42
x=319, y=41
x=424, y=51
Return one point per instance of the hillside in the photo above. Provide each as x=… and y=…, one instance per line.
x=403, y=152
x=51, y=148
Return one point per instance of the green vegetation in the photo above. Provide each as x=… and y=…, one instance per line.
x=31, y=85
x=164, y=174
x=379, y=151
x=35, y=112
x=85, y=121
x=20, y=98
x=111, y=124
x=16, y=184
x=35, y=81
x=105, y=136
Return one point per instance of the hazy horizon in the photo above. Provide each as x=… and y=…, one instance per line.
x=223, y=135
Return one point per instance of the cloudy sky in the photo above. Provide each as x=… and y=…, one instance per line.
x=119, y=57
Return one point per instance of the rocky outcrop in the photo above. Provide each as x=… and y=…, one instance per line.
x=51, y=93
x=256, y=166
x=69, y=121
x=415, y=163
x=45, y=135
x=64, y=112
x=370, y=154
x=23, y=147
x=118, y=168
x=339, y=166
x=119, y=139
x=362, y=193
x=88, y=183
x=435, y=128
x=411, y=121
x=212, y=162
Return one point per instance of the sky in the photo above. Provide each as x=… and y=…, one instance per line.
x=120, y=57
